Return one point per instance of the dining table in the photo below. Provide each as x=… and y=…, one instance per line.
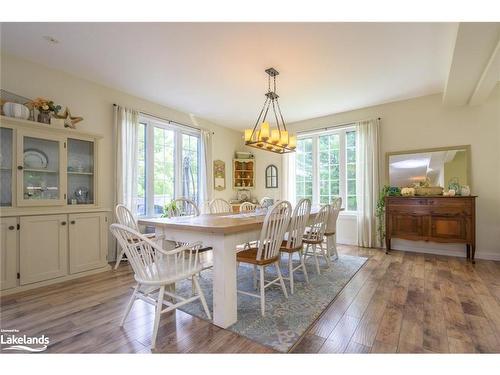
x=223, y=232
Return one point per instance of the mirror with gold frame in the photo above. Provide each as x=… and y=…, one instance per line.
x=435, y=166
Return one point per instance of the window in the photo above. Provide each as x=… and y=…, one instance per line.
x=304, y=169
x=325, y=167
x=167, y=165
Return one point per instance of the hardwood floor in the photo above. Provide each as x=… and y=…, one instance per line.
x=402, y=302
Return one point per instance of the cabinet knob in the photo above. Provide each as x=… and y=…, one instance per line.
x=20, y=167
x=72, y=222
x=63, y=223
x=12, y=227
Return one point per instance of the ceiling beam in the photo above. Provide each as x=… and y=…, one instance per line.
x=475, y=46
x=488, y=80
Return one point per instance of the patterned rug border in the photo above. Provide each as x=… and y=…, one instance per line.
x=309, y=327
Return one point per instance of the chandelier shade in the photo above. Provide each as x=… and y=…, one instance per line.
x=262, y=136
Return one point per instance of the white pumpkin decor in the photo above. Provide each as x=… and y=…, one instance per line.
x=16, y=110
x=465, y=190
x=408, y=192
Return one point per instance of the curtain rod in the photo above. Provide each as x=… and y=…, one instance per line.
x=333, y=126
x=166, y=120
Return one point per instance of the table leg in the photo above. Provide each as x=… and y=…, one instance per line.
x=224, y=281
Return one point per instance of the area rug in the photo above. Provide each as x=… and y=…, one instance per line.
x=286, y=319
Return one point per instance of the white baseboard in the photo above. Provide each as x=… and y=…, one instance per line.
x=441, y=249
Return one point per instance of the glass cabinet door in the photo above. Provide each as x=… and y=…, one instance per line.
x=6, y=159
x=40, y=177
x=80, y=171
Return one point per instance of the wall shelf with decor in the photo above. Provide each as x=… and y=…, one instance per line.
x=52, y=226
x=243, y=174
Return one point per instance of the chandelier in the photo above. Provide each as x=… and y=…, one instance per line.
x=275, y=140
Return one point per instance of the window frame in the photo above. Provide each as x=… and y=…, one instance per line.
x=316, y=185
x=150, y=124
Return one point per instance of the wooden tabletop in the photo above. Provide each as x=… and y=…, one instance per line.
x=214, y=223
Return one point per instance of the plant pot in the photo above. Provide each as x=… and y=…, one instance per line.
x=44, y=117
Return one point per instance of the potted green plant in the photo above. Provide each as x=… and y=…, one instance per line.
x=169, y=209
x=386, y=191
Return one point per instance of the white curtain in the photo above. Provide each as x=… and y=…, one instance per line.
x=126, y=126
x=206, y=169
x=367, y=180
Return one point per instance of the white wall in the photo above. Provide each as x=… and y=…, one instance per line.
x=94, y=103
x=422, y=123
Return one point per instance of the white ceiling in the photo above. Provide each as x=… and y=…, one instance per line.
x=216, y=70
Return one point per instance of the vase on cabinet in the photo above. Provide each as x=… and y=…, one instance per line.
x=44, y=117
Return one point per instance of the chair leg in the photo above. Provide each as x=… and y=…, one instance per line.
x=119, y=258
x=255, y=277
x=290, y=271
x=316, y=260
x=262, y=292
x=280, y=277
x=325, y=254
x=129, y=305
x=301, y=255
x=202, y=297
x=159, y=306
x=335, y=252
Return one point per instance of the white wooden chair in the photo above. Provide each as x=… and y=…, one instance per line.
x=155, y=268
x=219, y=206
x=266, y=202
x=247, y=207
x=293, y=243
x=187, y=207
x=314, y=237
x=125, y=217
x=184, y=207
x=331, y=228
x=267, y=252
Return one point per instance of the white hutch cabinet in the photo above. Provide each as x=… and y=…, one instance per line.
x=52, y=227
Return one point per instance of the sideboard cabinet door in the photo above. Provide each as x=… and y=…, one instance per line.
x=8, y=253
x=87, y=241
x=43, y=248
x=451, y=228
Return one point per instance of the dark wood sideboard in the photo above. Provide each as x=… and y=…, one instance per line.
x=433, y=218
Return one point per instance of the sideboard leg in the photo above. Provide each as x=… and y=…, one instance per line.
x=387, y=244
x=468, y=251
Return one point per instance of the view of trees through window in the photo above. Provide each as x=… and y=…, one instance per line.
x=325, y=167
x=167, y=170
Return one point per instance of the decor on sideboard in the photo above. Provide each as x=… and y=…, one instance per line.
x=275, y=140
x=454, y=184
x=219, y=175
x=465, y=190
x=69, y=121
x=449, y=193
x=45, y=107
x=408, y=192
